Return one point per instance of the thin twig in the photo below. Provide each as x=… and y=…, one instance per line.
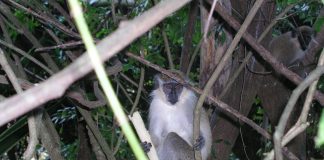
x=132, y=82
x=33, y=141
x=310, y=94
x=188, y=36
x=194, y=55
x=167, y=48
x=166, y=42
x=11, y=25
x=94, y=129
x=23, y=53
x=95, y=146
x=59, y=8
x=10, y=73
x=58, y=41
x=45, y=20
x=135, y=103
x=139, y=90
x=60, y=46
x=125, y=92
x=34, y=74
x=209, y=19
x=314, y=75
x=301, y=123
x=4, y=9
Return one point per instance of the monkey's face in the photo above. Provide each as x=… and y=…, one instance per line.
x=172, y=91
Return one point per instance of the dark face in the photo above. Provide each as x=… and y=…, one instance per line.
x=172, y=91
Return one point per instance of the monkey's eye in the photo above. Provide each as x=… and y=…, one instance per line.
x=167, y=87
x=178, y=87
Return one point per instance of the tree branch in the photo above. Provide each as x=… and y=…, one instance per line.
x=301, y=123
x=54, y=87
x=187, y=43
x=45, y=20
x=95, y=131
x=23, y=53
x=290, y=105
x=33, y=141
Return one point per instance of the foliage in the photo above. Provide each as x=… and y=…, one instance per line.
x=101, y=23
x=63, y=115
x=13, y=135
x=319, y=141
x=69, y=150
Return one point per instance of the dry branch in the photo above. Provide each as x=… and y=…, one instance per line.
x=54, y=87
x=95, y=130
x=45, y=19
x=32, y=127
x=143, y=134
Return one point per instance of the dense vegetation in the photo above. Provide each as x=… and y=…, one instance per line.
x=39, y=39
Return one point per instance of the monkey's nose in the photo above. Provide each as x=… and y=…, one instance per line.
x=173, y=100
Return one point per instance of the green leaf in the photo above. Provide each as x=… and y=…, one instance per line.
x=292, y=1
x=10, y=137
x=319, y=23
x=156, y=58
x=319, y=140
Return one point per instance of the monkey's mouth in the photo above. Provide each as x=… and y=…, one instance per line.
x=173, y=100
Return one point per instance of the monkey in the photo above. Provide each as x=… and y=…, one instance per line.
x=290, y=47
x=171, y=115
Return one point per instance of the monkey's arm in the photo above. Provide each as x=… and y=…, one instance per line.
x=156, y=132
x=174, y=147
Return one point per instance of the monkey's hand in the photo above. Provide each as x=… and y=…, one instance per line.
x=199, y=144
x=146, y=146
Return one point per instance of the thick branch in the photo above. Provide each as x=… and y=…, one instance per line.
x=54, y=87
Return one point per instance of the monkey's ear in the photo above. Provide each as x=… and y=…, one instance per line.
x=294, y=33
x=156, y=82
x=306, y=35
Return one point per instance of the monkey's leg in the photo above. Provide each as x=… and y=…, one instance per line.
x=175, y=148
